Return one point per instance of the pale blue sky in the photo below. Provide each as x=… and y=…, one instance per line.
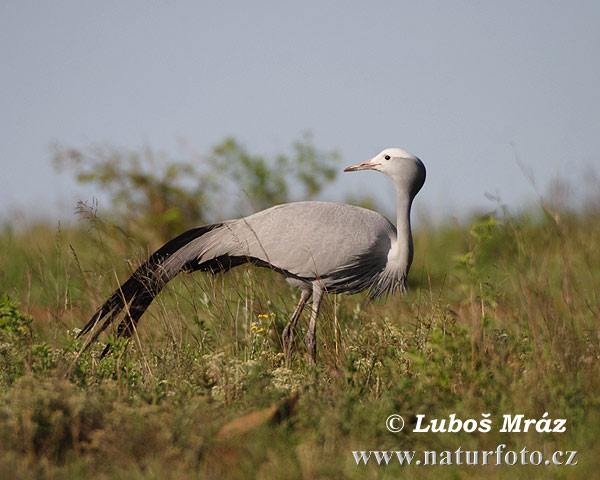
x=454, y=82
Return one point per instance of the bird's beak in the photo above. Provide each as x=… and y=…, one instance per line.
x=368, y=165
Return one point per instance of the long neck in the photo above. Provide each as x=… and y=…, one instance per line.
x=401, y=254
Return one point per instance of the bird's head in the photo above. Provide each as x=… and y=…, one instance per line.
x=407, y=171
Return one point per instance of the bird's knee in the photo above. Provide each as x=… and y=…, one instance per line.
x=287, y=335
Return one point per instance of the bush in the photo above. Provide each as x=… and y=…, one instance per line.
x=150, y=192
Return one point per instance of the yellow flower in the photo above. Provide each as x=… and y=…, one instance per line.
x=262, y=315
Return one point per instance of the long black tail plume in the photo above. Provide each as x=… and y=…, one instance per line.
x=136, y=294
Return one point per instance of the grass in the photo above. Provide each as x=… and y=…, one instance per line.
x=502, y=317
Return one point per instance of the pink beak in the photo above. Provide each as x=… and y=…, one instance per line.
x=368, y=165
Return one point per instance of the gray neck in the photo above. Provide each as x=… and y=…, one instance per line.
x=401, y=254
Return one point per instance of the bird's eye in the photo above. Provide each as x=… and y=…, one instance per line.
x=387, y=157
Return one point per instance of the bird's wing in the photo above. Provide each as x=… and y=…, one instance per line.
x=344, y=245
x=305, y=239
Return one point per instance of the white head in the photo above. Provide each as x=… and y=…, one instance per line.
x=406, y=170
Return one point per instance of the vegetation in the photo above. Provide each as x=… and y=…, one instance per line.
x=153, y=191
x=502, y=317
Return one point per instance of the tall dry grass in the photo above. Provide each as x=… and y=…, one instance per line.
x=502, y=317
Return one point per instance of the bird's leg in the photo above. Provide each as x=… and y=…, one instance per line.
x=287, y=335
x=311, y=335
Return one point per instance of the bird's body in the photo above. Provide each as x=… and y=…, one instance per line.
x=277, y=237
x=318, y=246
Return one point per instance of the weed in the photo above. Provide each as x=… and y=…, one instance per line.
x=502, y=317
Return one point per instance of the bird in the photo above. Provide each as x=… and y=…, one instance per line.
x=319, y=247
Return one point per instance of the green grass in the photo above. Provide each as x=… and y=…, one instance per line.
x=502, y=317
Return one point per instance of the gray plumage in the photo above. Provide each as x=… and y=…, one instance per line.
x=318, y=246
